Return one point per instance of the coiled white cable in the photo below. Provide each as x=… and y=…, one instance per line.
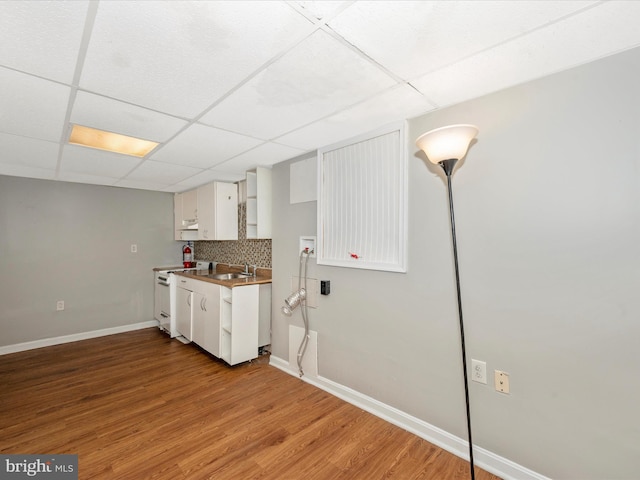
x=303, y=307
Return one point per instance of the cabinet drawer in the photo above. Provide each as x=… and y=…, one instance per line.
x=186, y=283
x=199, y=286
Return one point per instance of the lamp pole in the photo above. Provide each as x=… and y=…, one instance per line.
x=445, y=146
x=447, y=166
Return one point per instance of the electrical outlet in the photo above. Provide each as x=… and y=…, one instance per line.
x=502, y=381
x=134, y=248
x=479, y=371
x=60, y=305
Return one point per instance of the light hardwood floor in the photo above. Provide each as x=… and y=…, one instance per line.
x=139, y=405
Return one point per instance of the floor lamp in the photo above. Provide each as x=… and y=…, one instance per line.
x=445, y=146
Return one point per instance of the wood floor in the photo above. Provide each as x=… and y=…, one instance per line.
x=139, y=405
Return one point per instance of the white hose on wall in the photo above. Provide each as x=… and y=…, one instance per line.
x=299, y=297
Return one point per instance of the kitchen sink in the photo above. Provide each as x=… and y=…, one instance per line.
x=227, y=276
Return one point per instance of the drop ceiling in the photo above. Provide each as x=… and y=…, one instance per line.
x=225, y=86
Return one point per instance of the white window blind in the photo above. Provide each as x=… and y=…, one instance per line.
x=362, y=202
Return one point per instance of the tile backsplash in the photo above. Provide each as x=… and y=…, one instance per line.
x=236, y=252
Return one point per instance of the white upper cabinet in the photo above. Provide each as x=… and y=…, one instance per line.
x=259, y=203
x=209, y=212
x=189, y=208
x=185, y=214
x=218, y=211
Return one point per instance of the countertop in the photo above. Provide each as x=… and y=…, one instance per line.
x=159, y=269
x=263, y=276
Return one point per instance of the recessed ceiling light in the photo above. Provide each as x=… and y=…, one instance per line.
x=112, y=142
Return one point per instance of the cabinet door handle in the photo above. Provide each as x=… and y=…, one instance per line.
x=189, y=300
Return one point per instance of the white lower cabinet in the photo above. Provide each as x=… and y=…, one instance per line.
x=229, y=323
x=206, y=318
x=239, y=322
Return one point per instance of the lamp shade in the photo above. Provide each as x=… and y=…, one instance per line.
x=447, y=143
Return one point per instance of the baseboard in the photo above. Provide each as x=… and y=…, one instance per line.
x=47, y=342
x=500, y=466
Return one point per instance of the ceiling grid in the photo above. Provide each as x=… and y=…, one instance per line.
x=226, y=86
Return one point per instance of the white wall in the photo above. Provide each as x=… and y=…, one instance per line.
x=72, y=242
x=547, y=210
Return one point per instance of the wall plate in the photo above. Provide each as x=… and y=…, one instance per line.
x=479, y=371
x=502, y=381
x=308, y=242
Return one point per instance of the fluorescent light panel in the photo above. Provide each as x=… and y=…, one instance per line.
x=111, y=142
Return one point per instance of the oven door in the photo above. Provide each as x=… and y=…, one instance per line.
x=162, y=308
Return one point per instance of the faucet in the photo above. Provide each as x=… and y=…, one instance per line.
x=246, y=269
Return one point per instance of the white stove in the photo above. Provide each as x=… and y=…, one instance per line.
x=165, y=297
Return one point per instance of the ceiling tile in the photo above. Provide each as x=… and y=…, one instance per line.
x=318, y=77
x=140, y=185
x=113, y=116
x=14, y=170
x=562, y=45
x=265, y=155
x=77, y=159
x=163, y=173
x=321, y=9
x=42, y=38
x=201, y=146
x=179, y=57
x=397, y=104
x=35, y=108
x=85, y=178
x=29, y=152
x=206, y=176
x=420, y=37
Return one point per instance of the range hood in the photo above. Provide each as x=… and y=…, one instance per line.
x=190, y=224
